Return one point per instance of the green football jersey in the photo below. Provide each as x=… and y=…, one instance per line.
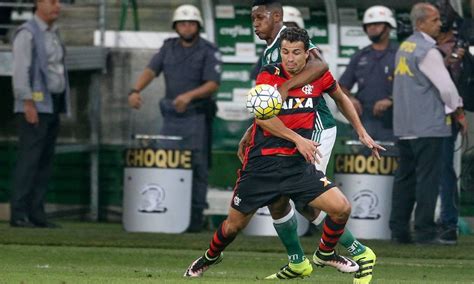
x=272, y=55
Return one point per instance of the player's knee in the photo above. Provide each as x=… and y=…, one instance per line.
x=343, y=210
x=279, y=212
x=233, y=227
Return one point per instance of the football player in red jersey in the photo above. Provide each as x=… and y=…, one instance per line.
x=280, y=162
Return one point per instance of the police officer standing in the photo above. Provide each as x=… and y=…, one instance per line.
x=372, y=69
x=191, y=66
x=41, y=88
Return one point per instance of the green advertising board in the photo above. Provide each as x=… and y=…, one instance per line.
x=235, y=36
x=316, y=23
x=232, y=117
x=234, y=32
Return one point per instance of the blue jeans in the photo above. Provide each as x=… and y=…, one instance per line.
x=448, y=190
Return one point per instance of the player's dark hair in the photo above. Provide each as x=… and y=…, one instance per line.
x=35, y=6
x=295, y=34
x=265, y=2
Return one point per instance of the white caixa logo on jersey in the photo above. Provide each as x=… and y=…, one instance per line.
x=237, y=200
x=307, y=89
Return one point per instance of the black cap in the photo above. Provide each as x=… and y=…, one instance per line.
x=264, y=2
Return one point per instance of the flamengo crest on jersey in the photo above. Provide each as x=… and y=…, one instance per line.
x=307, y=89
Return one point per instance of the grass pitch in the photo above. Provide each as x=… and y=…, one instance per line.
x=104, y=253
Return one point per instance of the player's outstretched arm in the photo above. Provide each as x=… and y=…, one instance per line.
x=306, y=147
x=347, y=108
x=314, y=69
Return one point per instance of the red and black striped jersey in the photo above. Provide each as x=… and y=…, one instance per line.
x=299, y=111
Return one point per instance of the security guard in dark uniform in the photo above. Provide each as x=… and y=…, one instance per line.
x=191, y=66
x=372, y=69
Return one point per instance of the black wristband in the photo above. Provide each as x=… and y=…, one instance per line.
x=133, y=91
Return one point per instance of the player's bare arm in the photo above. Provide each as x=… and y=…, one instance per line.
x=135, y=99
x=314, y=69
x=276, y=127
x=204, y=91
x=244, y=143
x=347, y=108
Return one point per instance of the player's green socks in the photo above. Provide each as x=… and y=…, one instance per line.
x=353, y=246
x=286, y=228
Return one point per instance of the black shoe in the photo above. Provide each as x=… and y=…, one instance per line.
x=428, y=241
x=45, y=224
x=448, y=237
x=402, y=239
x=197, y=221
x=21, y=223
x=195, y=228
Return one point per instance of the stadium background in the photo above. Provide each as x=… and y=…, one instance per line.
x=88, y=173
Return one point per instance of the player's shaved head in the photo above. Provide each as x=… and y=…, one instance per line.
x=267, y=19
x=265, y=2
x=273, y=6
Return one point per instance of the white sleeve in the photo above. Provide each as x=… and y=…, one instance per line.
x=433, y=67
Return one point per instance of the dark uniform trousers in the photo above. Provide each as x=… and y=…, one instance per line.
x=33, y=166
x=195, y=133
x=416, y=180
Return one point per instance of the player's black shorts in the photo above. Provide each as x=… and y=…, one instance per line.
x=266, y=178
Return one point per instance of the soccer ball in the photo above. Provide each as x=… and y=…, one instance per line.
x=264, y=101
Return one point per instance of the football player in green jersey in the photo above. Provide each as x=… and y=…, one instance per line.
x=268, y=27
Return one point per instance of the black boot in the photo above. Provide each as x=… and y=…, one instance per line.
x=197, y=221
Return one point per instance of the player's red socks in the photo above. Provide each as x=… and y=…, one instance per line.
x=219, y=242
x=332, y=231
